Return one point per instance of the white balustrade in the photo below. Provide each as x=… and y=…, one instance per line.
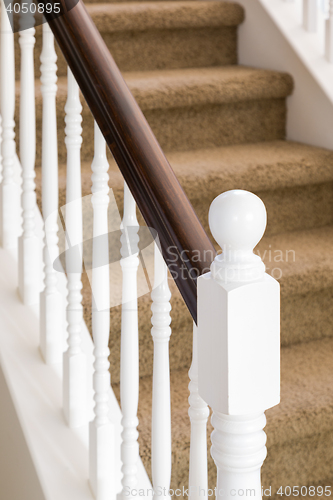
x=29, y=244
x=239, y=343
x=329, y=33
x=161, y=406
x=310, y=15
x=129, y=378
x=198, y=413
x=9, y=189
x=51, y=302
x=101, y=430
x=74, y=361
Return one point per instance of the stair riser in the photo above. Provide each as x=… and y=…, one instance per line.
x=186, y=128
x=206, y=126
x=158, y=49
x=298, y=463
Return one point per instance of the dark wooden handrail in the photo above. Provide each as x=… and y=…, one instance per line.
x=158, y=194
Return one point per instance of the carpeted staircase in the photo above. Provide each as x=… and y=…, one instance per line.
x=222, y=127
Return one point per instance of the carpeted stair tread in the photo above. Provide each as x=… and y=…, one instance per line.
x=142, y=16
x=200, y=86
x=88, y=2
x=303, y=418
x=154, y=35
x=294, y=180
x=193, y=109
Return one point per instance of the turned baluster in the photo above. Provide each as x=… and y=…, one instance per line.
x=161, y=406
x=9, y=189
x=329, y=33
x=239, y=343
x=51, y=302
x=74, y=361
x=129, y=378
x=29, y=244
x=101, y=429
x=198, y=413
x=310, y=15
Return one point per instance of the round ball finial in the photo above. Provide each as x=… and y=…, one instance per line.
x=237, y=220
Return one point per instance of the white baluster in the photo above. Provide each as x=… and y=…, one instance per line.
x=129, y=379
x=198, y=413
x=161, y=411
x=239, y=343
x=9, y=190
x=74, y=365
x=101, y=429
x=310, y=15
x=51, y=303
x=329, y=33
x=29, y=245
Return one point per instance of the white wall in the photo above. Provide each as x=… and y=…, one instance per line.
x=263, y=44
x=18, y=478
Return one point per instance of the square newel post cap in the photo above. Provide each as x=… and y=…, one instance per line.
x=238, y=313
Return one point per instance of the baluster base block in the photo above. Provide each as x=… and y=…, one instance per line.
x=74, y=389
x=51, y=327
x=101, y=461
x=29, y=262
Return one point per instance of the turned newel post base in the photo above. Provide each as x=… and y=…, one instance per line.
x=238, y=344
x=238, y=450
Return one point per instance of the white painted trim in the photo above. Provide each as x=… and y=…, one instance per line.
x=272, y=37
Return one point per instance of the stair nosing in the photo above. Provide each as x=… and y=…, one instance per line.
x=144, y=16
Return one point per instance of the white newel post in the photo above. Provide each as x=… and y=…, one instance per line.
x=239, y=343
x=74, y=360
x=101, y=430
x=329, y=33
x=51, y=303
x=161, y=405
x=129, y=364
x=310, y=15
x=198, y=413
x=9, y=189
x=29, y=244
